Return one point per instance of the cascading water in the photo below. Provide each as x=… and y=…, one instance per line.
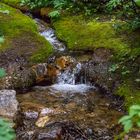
x=66, y=80
x=49, y=35
x=69, y=75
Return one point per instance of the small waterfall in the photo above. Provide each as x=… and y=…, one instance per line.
x=69, y=75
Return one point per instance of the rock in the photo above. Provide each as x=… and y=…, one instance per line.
x=8, y=103
x=42, y=121
x=96, y=70
x=64, y=61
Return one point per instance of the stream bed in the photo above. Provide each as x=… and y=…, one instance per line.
x=68, y=109
x=71, y=112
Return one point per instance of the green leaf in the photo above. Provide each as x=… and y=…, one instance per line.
x=135, y=107
x=138, y=123
x=134, y=110
x=54, y=14
x=128, y=125
x=2, y=73
x=1, y=39
x=113, y=68
x=6, y=132
x=124, y=118
x=137, y=2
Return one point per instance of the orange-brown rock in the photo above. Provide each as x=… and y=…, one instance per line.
x=52, y=71
x=64, y=62
x=43, y=71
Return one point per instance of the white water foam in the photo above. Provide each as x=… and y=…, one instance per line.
x=68, y=88
x=68, y=76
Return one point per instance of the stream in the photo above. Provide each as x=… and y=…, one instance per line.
x=70, y=109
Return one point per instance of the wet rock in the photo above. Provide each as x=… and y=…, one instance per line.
x=8, y=103
x=42, y=121
x=97, y=70
x=18, y=80
x=64, y=62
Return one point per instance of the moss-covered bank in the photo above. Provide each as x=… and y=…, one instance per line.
x=21, y=32
x=82, y=35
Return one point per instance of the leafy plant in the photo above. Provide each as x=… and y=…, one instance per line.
x=132, y=119
x=127, y=8
x=1, y=39
x=6, y=132
x=114, y=67
x=56, y=4
x=54, y=14
x=113, y=4
x=137, y=2
x=2, y=73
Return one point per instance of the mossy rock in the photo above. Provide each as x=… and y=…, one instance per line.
x=21, y=35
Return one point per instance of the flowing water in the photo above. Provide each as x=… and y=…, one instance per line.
x=49, y=35
x=68, y=109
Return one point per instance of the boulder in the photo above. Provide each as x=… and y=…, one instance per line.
x=8, y=103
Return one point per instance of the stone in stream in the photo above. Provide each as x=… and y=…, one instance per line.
x=8, y=103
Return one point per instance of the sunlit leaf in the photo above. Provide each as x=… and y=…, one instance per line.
x=138, y=123
x=1, y=39
x=137, y=2
x=2, y=73
x=135, y=109
x=124, y=118
x=128, y=125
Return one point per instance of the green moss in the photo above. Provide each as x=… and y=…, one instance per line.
x=13, y=3
x=82, y=35
x=21, y=31
x=130, y=94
